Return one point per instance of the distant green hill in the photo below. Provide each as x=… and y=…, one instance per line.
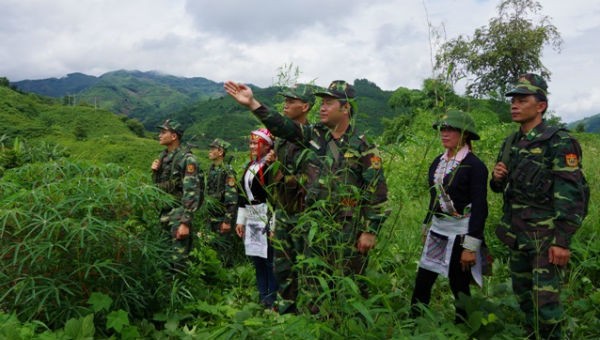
x=151, y=97
x=87, y=133
x=147, y=96
x=204, y=109
x=58, y=87
x=590, y=124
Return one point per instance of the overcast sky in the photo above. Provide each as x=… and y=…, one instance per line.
x=385, y=41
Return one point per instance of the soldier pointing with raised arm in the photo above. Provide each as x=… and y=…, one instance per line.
x=351, y=178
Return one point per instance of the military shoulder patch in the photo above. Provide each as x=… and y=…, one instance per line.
x=376, y=162
x=572, y=160
x=191, y=168
x=231, y=181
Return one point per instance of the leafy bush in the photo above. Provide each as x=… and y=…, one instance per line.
x=71, y=229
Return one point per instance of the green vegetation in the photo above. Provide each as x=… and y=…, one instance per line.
x=588, y=124
x=497, y=54
x=81, y=253
x=85, y=132
x=82, y=257
x=147, y=96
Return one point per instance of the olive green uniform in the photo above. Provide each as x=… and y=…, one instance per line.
x=179, y=176
x=221, y=201
x=348, y=190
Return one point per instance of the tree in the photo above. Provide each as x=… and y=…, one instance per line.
x=4, y=82
x=497, y=54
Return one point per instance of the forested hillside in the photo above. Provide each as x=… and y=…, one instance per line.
x=81, y=131
x=147, y=96
x=588, y=124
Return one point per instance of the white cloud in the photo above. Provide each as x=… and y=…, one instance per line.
x=385, y=41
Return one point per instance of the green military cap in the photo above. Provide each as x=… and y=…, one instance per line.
x=172, y=125
x=219, y=143
x=529, y=83
x=459, y=120
x=339, y=89
x=300, y=91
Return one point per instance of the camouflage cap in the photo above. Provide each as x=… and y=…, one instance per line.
x=529, y=83
x=172, y=125
x=339, y=89
x=459, y=120
x=300, y=91
x=219, y=143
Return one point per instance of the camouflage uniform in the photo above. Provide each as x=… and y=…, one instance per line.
x=179, y=176
x=293, y=164
x=543, y=207
x=221, y=201
x=350, y=186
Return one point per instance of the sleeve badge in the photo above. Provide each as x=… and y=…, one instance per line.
x=572, y=160
x=190, y=168
x=231, y=181
x=376, y=162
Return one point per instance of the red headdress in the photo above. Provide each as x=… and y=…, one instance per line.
x=264, y=139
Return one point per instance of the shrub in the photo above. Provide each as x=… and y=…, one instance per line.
x=71, y=229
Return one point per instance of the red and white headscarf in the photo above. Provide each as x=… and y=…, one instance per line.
x=264, y=139
x=264, y=135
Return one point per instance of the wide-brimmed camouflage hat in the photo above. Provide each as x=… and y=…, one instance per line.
x=300, y=91
x=339, y=89
x=459, y=120
x=172, y=125
x=529, y=83
x=219, y=143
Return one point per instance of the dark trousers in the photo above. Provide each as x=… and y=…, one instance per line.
x=459, y=283
x=265, y=278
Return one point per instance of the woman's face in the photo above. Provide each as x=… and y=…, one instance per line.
x=452, y=138
x=258, y=152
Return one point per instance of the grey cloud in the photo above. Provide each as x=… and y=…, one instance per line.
x=252, y=21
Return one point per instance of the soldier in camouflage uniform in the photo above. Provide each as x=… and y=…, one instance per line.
x=221, y=201
x=292, y=165
x=350, y=186
x=539, y=172
x=176, y=172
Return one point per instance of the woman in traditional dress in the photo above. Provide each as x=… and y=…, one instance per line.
x=254, y=219
x=454, y=223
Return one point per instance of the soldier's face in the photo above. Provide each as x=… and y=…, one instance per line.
x=332, y=112
x=215, y=153
x=451, y=138
x=526, y=109
x=166, y=137
x=294, y=108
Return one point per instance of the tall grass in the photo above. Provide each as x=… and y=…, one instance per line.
x=71, y=229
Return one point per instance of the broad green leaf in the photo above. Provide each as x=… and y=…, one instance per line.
x=117, y=320
x=100, y=302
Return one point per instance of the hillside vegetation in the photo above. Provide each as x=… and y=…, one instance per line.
x=81, y=255
x=84, y=132
x=147, y=96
